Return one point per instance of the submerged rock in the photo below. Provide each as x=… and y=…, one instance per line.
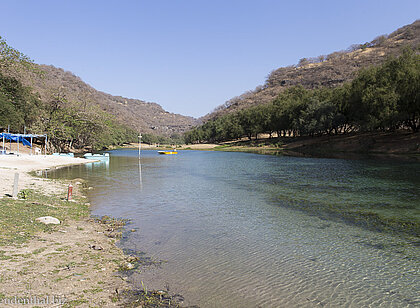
x=129, y=266
x=48, y=220
x=96, y=247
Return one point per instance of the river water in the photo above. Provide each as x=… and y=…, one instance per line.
x=249, y=230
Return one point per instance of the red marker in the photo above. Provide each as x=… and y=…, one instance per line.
x=70, y=193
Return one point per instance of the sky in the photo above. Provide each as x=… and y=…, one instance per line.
x=190, y=56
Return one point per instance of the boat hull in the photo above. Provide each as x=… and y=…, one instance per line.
x=96, y=156
x=167, y=152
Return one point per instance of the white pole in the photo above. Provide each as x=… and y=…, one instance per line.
x=31, y=146
x=139, y=145
x=4, y=151
x=140, y=179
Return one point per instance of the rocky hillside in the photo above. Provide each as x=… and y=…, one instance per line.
x=325, y=70
x=142, y=116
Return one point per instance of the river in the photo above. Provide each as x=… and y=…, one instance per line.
x=249, y=230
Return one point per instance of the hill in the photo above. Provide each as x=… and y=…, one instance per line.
x=325, y=70
x=43, y=99
x=145, y=117
x=140, y=115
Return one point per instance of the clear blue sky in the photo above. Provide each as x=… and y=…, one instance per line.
x=190, y=55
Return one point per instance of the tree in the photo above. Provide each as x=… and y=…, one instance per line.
x=405, y=72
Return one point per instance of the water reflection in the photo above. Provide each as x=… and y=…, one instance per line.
x=140, y=176
x=98, y=166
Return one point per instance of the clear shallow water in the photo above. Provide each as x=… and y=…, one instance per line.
x=228, y=227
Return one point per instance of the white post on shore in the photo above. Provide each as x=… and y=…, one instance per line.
x=139, y=145
x=31, y=146
x=15, y=185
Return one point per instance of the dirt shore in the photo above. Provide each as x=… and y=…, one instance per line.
x=75, y=262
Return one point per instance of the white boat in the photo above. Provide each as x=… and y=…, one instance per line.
x=104, y=156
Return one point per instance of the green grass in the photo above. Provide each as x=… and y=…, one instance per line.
x=17, y=217
x=93, y=291
x=75, y=303
x=260, y=146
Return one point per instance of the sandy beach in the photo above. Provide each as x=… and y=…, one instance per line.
x=11, y=164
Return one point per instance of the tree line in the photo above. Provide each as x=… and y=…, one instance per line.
x=69, y=125
x=380, y=98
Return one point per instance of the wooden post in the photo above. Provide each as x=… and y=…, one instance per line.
x=15, y=186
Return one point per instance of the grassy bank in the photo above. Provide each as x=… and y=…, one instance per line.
x=73, y=261
x=17, y=217
x=392, y=144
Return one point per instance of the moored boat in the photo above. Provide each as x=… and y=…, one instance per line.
x=168, y=152
x=104, y=156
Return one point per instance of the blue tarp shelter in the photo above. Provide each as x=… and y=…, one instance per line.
x=23, y=138
x=16, y=138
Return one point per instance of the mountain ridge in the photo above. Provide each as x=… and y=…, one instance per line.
x=325, y=70
x=145, y=117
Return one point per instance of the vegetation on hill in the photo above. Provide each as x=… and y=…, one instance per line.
x=330, y=70
x=68, y=124
x=385, y=97
x=43, y=99
x=144, y=117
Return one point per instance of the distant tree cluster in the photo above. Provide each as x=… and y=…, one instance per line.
x=385, y=97
x=173, y=139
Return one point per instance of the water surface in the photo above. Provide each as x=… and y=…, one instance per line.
x=248, y=230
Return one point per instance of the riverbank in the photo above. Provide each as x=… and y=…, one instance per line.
x=75, y=263
x=390, y=144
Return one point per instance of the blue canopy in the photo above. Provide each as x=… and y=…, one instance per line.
x=16, y=138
